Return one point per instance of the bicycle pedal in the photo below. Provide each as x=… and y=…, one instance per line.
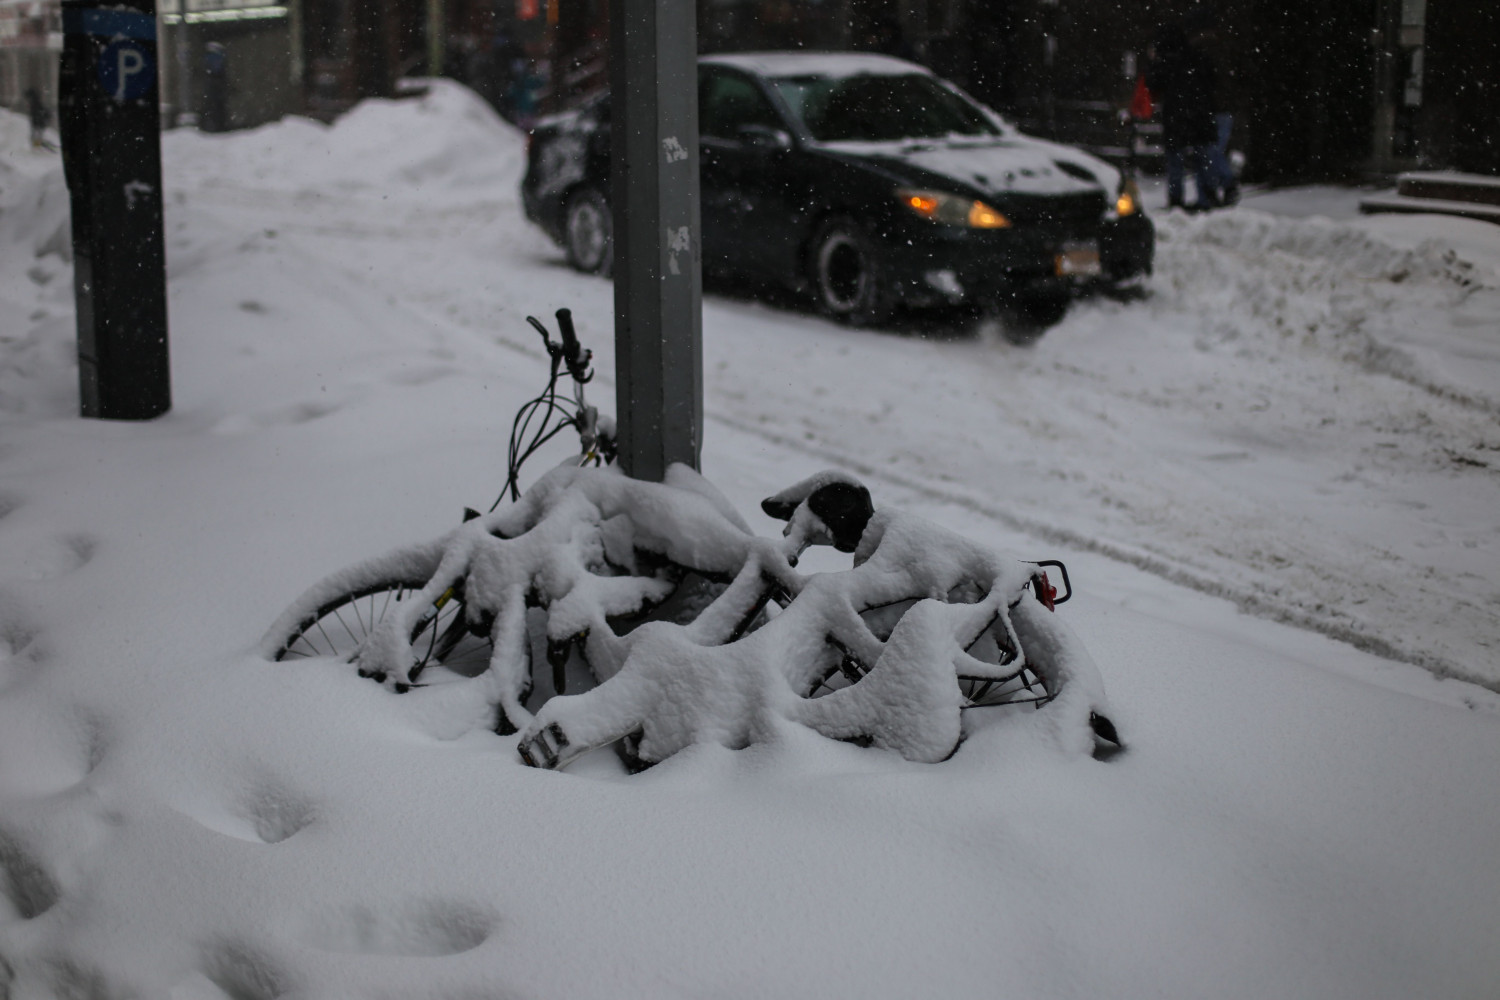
x=538, y=754
x=551, y=755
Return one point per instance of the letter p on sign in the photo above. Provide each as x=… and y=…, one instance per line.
x=131, y=63
x=125, y=71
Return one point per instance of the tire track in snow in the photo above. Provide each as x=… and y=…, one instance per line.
x=1247, y=600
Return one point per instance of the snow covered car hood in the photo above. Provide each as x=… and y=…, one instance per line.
x=993, y=165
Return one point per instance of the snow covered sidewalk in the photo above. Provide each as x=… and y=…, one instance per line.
x=1296, y=817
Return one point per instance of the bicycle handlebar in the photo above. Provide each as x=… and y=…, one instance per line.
x=569, y=335
x=573, y=353
x=549, y=415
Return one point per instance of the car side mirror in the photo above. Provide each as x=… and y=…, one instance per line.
x=765, y=137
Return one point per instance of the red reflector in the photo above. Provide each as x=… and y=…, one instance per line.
x=1045, y=592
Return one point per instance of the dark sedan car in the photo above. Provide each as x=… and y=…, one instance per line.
x=867, y=181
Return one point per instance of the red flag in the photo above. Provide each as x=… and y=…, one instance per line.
x=1140, y=104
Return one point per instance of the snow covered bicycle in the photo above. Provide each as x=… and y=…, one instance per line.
x=689, y=626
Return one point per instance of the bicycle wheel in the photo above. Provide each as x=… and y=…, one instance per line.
x=339, y=627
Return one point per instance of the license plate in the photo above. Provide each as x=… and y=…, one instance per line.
x=1078, y=260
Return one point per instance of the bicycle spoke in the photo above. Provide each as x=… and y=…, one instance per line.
x=337, y=613
x=289, y=651
x=332, y=646
x=432, y=630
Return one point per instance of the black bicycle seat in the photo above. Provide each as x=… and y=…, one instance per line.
x=841, y=502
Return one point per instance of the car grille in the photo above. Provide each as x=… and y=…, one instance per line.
x=1086, y=207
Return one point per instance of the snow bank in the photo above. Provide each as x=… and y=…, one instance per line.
x=1343, y=287
x=441, y=146
x=38, y=373
x=34, y=214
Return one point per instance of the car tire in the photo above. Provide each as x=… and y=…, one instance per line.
x=844, y=265
x=588, y=232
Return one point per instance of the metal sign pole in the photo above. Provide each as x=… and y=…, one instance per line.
x=111, y=144
x=658, y=252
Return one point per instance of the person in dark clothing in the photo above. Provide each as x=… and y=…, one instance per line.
x=215, y=117
x=1218, y=160
x=524, y=96
x=1181, y=80
x=488, y=70
x=36, y=110
x=885, y=36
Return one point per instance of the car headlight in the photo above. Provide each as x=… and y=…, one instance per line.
x=1128, y=201
x=952, y=209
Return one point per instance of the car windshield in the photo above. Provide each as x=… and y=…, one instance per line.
x=871, y=108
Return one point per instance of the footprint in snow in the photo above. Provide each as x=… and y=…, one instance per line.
x=20, y=644
x=236, y=970
x=420, y=376
x=285, y=416
x=56, y=557
x=26, y=889
x=300, y=413
x=48, y=754
x=415, y=928
x=198, y=986
x=266, y=812
x=58, y=976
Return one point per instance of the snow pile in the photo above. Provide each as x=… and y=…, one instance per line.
x=443, y=146
x=34, y=212
x=1342, y=247
x=38, y=373
x=1339, y=287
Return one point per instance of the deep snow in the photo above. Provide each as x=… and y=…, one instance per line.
x=1301, y=419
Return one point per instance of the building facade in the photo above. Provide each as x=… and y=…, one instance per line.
x=1354, y=88
x=30, y=44
x=1348, y=90
x=226, y=64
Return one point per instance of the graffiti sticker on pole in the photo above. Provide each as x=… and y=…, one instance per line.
x=127, y=71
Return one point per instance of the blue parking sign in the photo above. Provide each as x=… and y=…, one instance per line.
x=127, y=70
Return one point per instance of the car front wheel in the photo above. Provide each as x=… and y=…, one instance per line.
x=589, y=232
x=846, y=276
